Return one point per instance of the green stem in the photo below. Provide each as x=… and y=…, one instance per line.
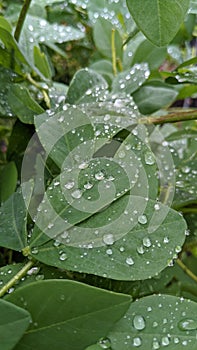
x=170, y=118
x=113, y=49
x=189, y=210
x=37, y=85
x=17, y=277
x=186, y=270
x=21, y=19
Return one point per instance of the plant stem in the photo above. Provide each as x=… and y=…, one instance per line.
x=189, y=210
x=17, y=277
x=186, y=270
x=170, y=118
x=21, y=19
x=113, y=49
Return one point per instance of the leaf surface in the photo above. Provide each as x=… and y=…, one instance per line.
x=67, y=314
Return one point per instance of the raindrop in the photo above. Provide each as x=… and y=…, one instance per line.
x=50, y=225
x=129, y=261
x=166, y=240
x=69, y=185
x=147, y=242
x=64, y=234
x=187, y=324
x=99, y=176
x=108, y=239
x=142, y=219
x=139, y=322
x=149, y=158
x=137, y=341
x=83, y=165
x=109, y=252
x=155, y=345
x=88, y=92
x=88, y=186
x=165, y=341
x=157, y=206
x=63, y=256
x=76, y=194
x=105, y=343
x=34, y=250
x=121, y=154
x=140, y=250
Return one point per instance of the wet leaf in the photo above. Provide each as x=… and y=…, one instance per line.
x=159, y=20
x=8, y=181
x=14, y=322
x=13, y=212
x=72, y=315
x=155, y=322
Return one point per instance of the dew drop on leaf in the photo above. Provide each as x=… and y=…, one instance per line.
x=147, y=242
x=129, y=261
x=108, y=239
x=105, y=343
x=139, y=322
x=165, y=341
x=149, y=158
x=187, y=324
x=34, y=250
x=63, y=257
x=155, y=345
x=137, y=341
x=99, y=176
x=142, y=219
x=69, y=185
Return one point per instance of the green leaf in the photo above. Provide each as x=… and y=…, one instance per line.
x=104, y=68
x=102, y=32
x=67, y=314
x=86, y=86
x=157, y=321
x=5, y=24
x=7, y=78
x=22, y=104
x=13, y=212
x=14, y=322
x=154, y=96
x=159, y=20
x=131, y=255
x=130, y=80
x=8, y=180
x=41, y=62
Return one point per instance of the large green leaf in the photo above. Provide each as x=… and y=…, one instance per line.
x=118, y=256
x=67, y=314
x=13, y=323
x=159, y=20
x=157, y=322
x=13, y=213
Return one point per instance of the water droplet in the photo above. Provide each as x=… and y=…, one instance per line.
x=83, y=165
x=109, y=251
x=50, y=225
x=88, y=186
x=140, y=249
x=142, y=219
x=69, y=185
x=137, y=341
x=166, y=240
x=149, y=158
x=105, y=343
x=63, y=257
x=64, y=234
x=147, y=242
x=99, y=176
x=157, y=206
x=187, y=324
x=76, y=194
x=34, y=250
x=155, y=345
x=139, y=322
x=108, y=239
x=121, y=154
x=165, y=341
x=129, y=261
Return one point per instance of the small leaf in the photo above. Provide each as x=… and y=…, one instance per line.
x=14, y=321
x=86, y=86
x=8, y=181
x=149, y=53
x=159, y=20
x=41, y=62
x=67, y=314
x=157, y=321
x=102, y=32
x=13, y=212
x=22, y=104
